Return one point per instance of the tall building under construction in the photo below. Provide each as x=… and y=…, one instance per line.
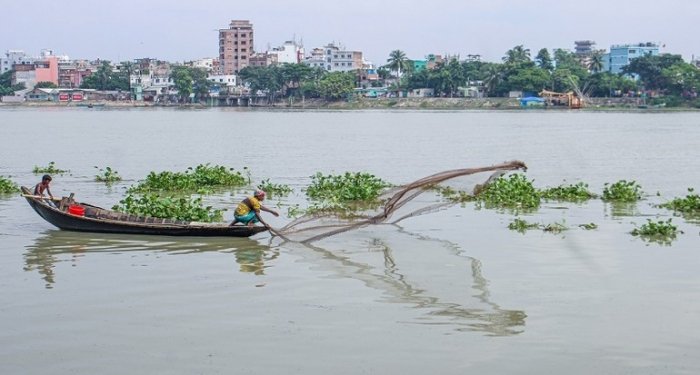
x=235, y=46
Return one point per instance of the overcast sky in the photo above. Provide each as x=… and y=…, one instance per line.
x=177, y=31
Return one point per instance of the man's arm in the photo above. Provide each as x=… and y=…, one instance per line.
x=263, y=208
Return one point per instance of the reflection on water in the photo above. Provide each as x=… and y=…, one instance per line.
x=488, y=317
x=55, y=246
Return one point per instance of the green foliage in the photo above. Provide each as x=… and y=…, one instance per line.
x=398, y=62
x=107, y=77
x=522, y=226
x=45, y=85
x=189, y=80
x=589, y=226
x=6, y=86
x=336, y=85
x=347, y=187
x=622, y=191
x=50, y=169
x=274, y=189
x=7, y=186
x=688, y=205
x=663, y=232
x=650, y=69
x=513, y=192
x=569, y=193
x=175, y=208
x=198, y=179
x=107, y=175
x=452, y=195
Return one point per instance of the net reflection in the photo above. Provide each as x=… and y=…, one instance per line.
x=55, y=246
x=402, y=285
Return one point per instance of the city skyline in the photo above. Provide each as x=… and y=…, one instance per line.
x=180, y=32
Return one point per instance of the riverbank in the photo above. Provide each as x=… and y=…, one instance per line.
x=594, y=104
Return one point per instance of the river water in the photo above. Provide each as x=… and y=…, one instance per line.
x=451, y=292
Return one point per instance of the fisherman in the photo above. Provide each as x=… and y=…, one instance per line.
x=248, y=211
x=43, y=186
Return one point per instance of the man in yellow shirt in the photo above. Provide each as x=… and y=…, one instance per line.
x=248, y=211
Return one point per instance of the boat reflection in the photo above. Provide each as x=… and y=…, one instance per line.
x=400, y=286
x=56, y=246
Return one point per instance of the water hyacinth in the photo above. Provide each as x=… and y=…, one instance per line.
x=622, y=191
x=176, y=208
x=50, y=169
x=347, y=187
x=7, y=186
x=568, y=193
x=512, y=192
x=690, y=204
x=662, y=231
x=272, y=189
x=198, y=179
x=108, y=175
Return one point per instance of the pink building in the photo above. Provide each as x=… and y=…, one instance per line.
x=47, y=70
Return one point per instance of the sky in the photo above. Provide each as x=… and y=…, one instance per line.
x=180, y=31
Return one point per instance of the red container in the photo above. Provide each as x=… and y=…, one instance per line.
x=76, y=210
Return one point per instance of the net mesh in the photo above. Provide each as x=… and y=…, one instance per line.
x=398, y=203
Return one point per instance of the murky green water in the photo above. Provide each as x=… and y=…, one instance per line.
x=452, y=292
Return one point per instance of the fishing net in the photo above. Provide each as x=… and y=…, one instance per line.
x=397, y=203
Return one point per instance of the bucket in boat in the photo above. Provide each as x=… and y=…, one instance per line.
x=76, y=210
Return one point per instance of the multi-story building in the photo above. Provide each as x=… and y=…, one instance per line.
x=334, y=59
x=235, y=46
x=584, y=48
x=14, y=57
x=262, y=59
x=621, y=55
x=71, y=73
x=290, y=52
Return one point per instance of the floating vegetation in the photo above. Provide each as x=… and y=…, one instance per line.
x=7, y=186
x=50, y=169
x=107, y=175
x=568, y=193
x=513, y=192
x=452, y=195
x=622, y=191
x=555, y=227
x=662, y=231
x=200, y=179
x=522, y=226
x=589, y=226
x=689, y=205
x=176, y=208
x=281, y=190
x=347, y=187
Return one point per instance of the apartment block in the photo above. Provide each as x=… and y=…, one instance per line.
x=235, y=46
x=621, y=55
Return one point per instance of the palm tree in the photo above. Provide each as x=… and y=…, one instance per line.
x=516, y=55
x=397, y=61
x=494, y=77
x=595, y=62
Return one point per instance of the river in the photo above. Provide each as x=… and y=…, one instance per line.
x=451, y=292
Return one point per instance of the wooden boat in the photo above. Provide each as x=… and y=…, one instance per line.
x=95, y=219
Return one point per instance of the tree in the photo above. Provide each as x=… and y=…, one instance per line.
x=595, y=63
x=544, y=60
x=397, y=62
x=682, y=78
x=6, y=86
x=105, y=78
x=649, y=69
x=336, y=85
x=45, y=85
x=517, y=55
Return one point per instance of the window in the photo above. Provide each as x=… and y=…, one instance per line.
x=242, y=35
x=242, y=41
x=243, y=57
x=632, y=51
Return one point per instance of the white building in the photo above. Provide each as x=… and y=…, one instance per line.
x=290, y=53
x=334, y=59
x=13, y=57
x=205, y=63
